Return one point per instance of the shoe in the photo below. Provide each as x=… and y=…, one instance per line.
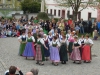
x=26, y=58
x=79, y=63
x=84, y=61
x=64, y=62
x=55, y=64
x=88, y=62
x=37, y=62
x=41, y=64
x=74, y=62
x=52, y=63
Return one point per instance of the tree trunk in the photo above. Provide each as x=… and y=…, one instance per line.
x=75, y=15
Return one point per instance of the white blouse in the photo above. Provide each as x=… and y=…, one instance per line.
x=41, y=40
x=88, y=41
x=55, y=42
x=19, y=38
x=30, y=38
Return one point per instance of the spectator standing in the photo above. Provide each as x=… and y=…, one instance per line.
x=98, y=24
x=90, y=26
x=81, y=26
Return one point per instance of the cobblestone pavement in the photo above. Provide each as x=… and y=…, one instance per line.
x=9, y=48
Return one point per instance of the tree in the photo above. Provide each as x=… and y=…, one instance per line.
x=76, y=5
x=30, y=6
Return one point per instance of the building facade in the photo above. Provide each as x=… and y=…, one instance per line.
x=58, y=11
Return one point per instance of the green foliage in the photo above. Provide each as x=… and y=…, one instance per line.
x=30, y=6
x=5, y=12
x=42, y=15
x=56, y=19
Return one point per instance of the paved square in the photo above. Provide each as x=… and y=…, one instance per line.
x=9, y=48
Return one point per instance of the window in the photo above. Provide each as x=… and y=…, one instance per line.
x=51, y=11
x=89, y=15
x=68, y=14
x=55, y=12
x=58, y=12
x=79, y=15
x=47, y=11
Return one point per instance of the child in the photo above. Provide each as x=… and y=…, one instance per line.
x=95, y=35
x=77, y=28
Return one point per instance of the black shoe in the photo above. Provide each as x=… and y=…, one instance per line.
x=33, y=58
x=37, y=62
x=41, y=64
x=88, y=62
x=52, y=63
x=79, y=63
x=26, y=58
x=64, y=62
x=84, y=61
x=74, y=62
x=55, y=64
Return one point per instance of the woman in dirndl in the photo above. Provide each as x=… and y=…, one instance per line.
x=54, y=51
x=40, y=57
x=70, y=40
x=22, y=40
x=29, y=48
x=75, y=55
x=86, y=54
x=63, y=50
x=50, y=37
x=82, y=43
x=46, y=52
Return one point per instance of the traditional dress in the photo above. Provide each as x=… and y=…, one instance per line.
x=29, y=48
x=68, y=36
x=71, y=40
x=86, y=54
x=44, y=29
x=54, y=52
x=60, y=37
x=22, y=44
x=82, y=44
x=63, y=50
x=75, y=55
x=40, y=50
x=46, y=52
x=50, y=38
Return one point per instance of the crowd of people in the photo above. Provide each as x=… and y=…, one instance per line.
x=50, y=40
x=12, y=27
x=44, y=40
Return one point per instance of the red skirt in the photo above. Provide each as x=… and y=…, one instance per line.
x=86, y=53
x=38, y=53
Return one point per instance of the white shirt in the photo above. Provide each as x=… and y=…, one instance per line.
x=64, y=41
x=30, y=38
x=88, y=41
x=41, y=40
x=78, y=42
x=55, y=42
x=67, y=36
x=22, y=36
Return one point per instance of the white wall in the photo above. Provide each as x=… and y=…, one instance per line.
x=10, y=13
x=51, y=4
